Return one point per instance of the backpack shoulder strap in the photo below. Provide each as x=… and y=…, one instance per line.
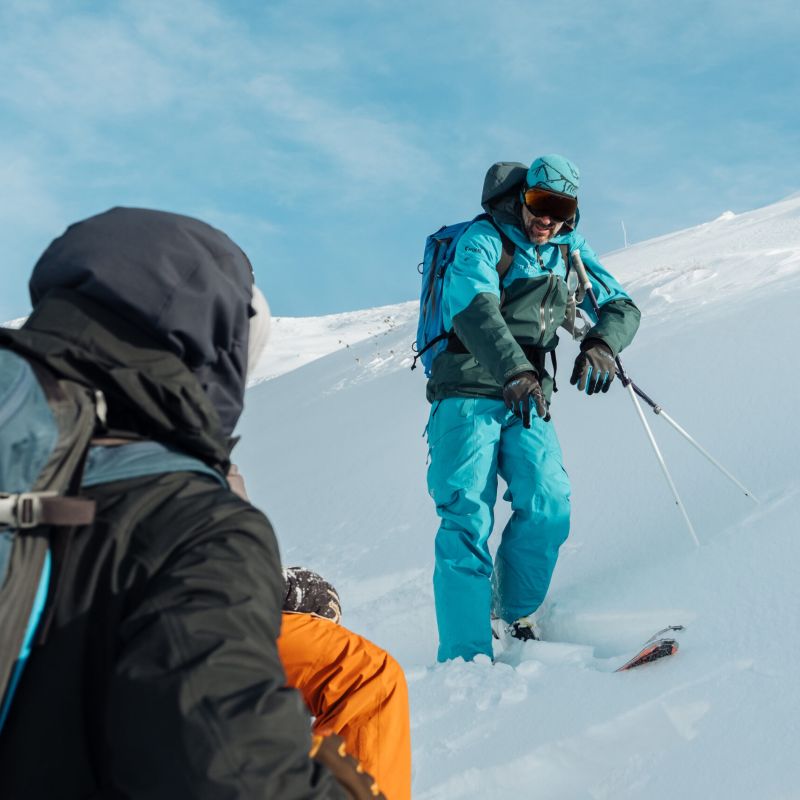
x=508, y=247
x=564, y=248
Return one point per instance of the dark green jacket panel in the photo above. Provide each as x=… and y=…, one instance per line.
x=619, y=316
x=530, y=315
x=483, y=330
x=159, y=678
x=618, y=323
x=534, y=309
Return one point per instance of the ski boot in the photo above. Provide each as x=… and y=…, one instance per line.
x=524, y=629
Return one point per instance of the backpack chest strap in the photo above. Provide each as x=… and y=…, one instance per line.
x=29, y=509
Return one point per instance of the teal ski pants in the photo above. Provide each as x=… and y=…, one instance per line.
x=472, y=441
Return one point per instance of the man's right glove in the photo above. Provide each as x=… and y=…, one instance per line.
x=520, y=392
x=309, y=593
x=349, y=774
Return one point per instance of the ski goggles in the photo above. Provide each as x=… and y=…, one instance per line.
x=543, y=203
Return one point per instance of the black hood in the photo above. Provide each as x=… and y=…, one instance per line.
x=184, y=283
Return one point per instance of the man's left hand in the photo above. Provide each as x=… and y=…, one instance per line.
x=595, y=367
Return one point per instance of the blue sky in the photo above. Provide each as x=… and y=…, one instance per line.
x=328, y=138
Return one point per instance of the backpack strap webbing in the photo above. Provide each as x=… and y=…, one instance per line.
x=506, y=257
x=564, y=248
x=31, y=509
x=508, y=249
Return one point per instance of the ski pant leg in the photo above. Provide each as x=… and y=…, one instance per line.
x=463, y=437
x=539, y=491
x=354, y=688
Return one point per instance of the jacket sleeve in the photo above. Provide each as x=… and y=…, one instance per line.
x=197, y=678
x=472, y=304
x=619, y=316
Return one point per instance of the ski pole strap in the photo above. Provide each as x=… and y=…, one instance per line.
x=652, y=403
x=29, y=509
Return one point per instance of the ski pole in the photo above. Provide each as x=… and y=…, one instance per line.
x=657, y=409
x=628, y=384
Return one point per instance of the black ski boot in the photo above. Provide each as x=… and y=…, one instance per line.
x=524, y=630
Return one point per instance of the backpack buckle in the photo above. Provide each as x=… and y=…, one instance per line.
x=27, y=507
x=23, y=510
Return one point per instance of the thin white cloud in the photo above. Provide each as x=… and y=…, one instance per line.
x=26, y=202
x=82, y=67
x=367, y=149
x=190, y=64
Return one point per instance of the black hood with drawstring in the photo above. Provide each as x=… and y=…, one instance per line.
x=180, y=281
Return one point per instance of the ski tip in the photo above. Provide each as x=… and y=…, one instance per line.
x=652, y=652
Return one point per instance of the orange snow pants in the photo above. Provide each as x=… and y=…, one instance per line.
x=354, y=688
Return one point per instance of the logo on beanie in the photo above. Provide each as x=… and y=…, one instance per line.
x=561, y=176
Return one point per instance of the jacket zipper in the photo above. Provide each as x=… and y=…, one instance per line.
x=543, y=308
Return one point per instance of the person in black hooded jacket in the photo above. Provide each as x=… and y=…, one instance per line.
x=159, y=676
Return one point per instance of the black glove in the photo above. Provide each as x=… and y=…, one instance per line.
x=309, y=593
x=594, y=367
x=522, y=390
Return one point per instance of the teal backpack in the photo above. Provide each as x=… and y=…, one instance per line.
x=440, y=250
x=46, y=424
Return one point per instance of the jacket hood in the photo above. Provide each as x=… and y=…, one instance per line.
x=502, y=187
x=183, y=283
x=149, y=391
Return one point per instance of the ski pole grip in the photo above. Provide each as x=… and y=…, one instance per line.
x=577, y=262
x=585, y=282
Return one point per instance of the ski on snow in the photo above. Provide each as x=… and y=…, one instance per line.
x=655, y=648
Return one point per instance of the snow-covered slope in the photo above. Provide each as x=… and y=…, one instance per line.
x=295, y=341
x=333, y=452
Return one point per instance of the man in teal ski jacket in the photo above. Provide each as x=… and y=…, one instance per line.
x=490, y=393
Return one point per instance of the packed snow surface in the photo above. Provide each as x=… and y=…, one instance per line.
x=333, y=452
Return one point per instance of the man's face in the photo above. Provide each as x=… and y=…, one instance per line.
x=539, y=229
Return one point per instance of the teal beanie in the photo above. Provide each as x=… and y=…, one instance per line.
x=554, y=173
